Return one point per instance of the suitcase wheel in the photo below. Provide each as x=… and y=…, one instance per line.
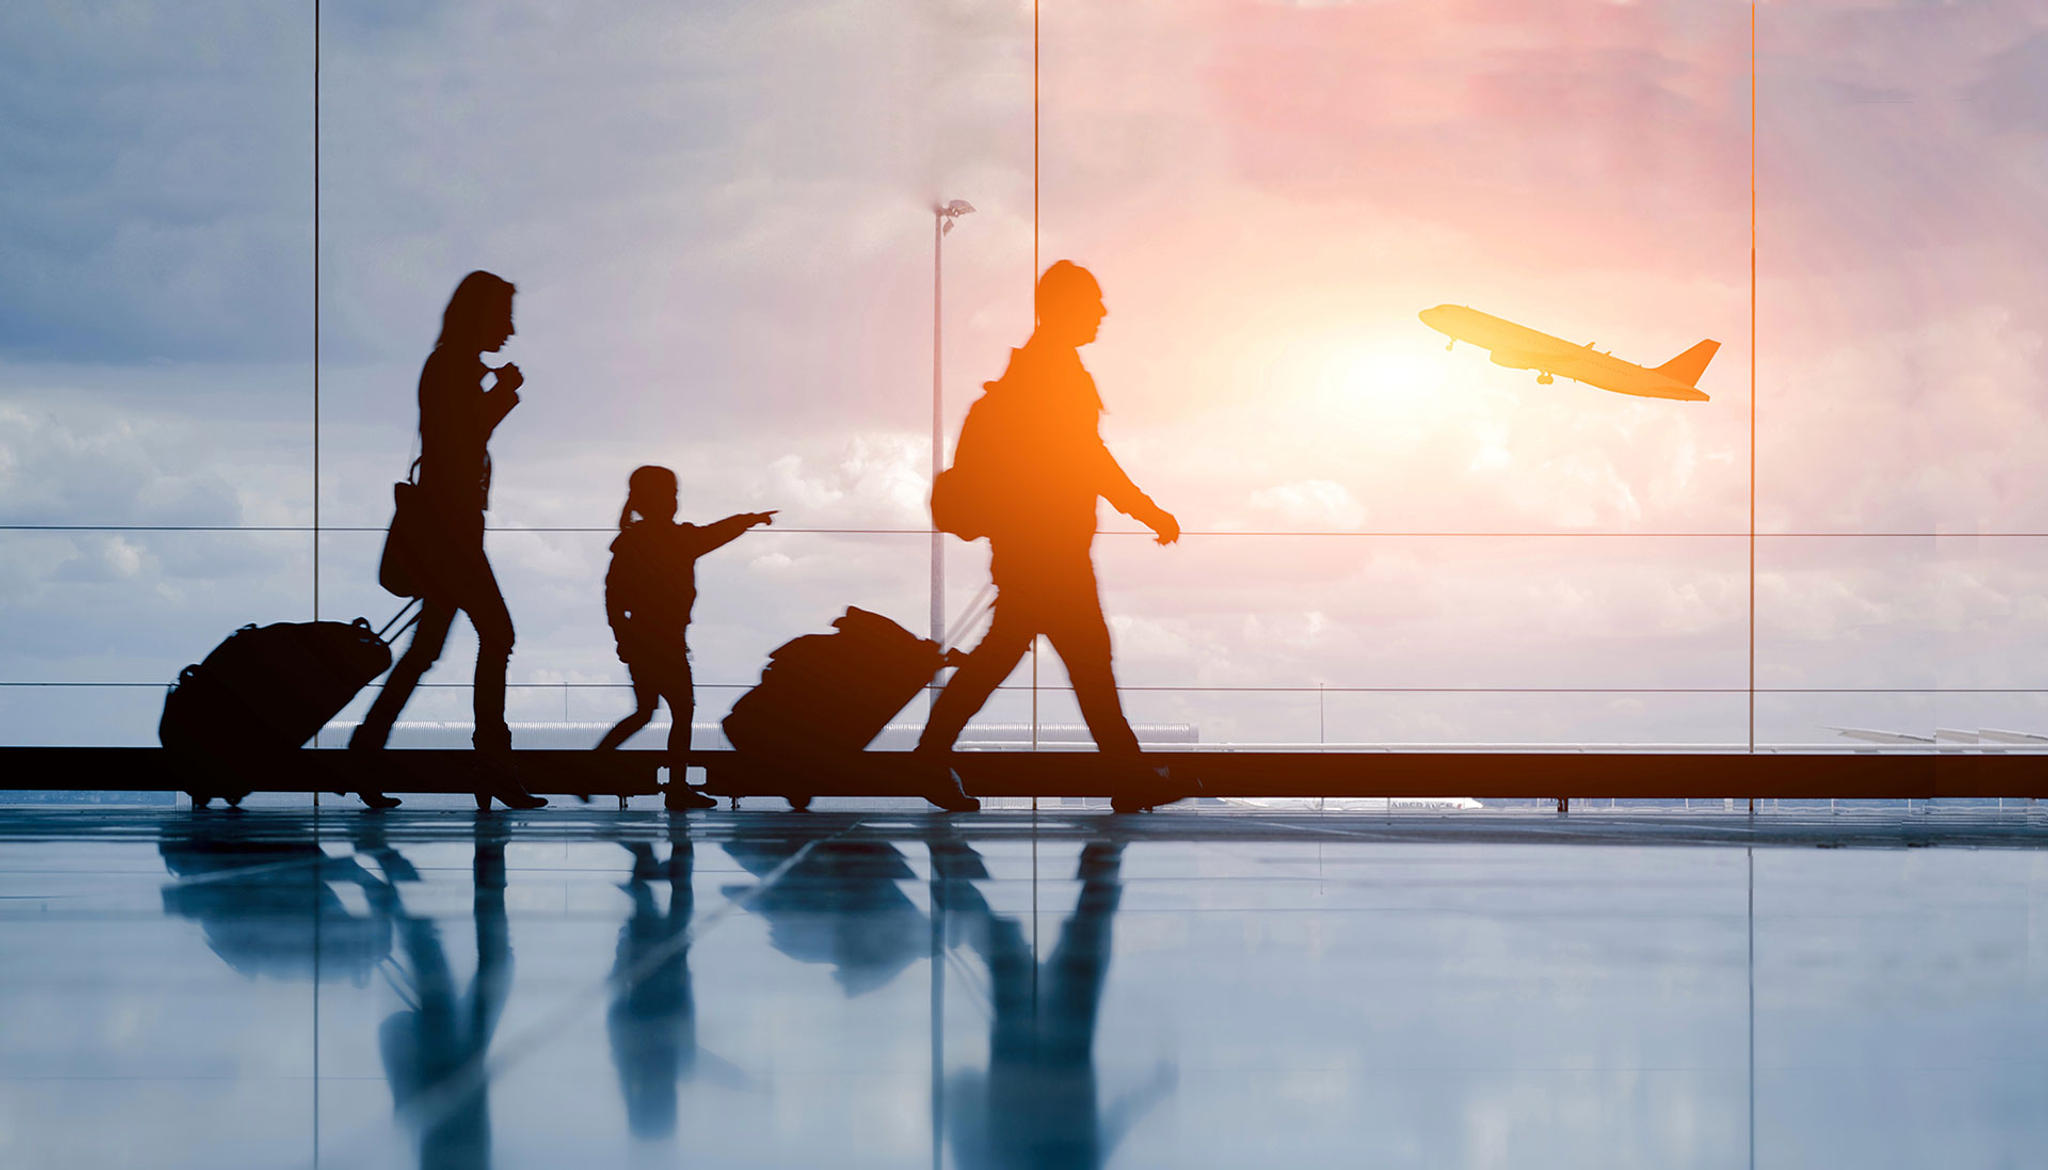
x=203, y=799
x=798, y=803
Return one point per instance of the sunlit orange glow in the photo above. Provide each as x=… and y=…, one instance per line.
x=1374, y=387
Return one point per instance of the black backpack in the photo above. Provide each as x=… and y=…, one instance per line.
x=967, y=497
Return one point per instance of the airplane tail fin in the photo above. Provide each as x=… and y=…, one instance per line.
x=1688, y=366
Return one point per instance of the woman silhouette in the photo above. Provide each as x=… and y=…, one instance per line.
x=457, y=416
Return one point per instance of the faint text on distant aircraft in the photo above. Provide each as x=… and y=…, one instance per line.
x=1520, y=348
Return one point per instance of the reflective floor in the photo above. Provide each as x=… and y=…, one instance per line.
x=887, y=988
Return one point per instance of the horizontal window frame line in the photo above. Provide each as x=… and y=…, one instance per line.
x=1333, y=532
x=1220, y=690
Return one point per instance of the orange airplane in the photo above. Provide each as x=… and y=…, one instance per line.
x=1520, y=348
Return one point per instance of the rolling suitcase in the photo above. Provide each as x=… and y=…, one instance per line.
x=266, y=690
x=824, y=697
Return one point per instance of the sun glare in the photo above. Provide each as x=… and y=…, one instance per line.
x=1375, y=380
x=1383, y=369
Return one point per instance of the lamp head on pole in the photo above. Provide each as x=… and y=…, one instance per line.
x=950, y=212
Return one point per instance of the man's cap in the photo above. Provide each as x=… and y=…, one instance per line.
x=1065, y=283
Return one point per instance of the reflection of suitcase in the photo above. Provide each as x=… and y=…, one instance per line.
x=265, y=690
x=822, y=697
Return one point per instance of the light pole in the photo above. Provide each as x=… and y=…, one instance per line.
x=943, y=217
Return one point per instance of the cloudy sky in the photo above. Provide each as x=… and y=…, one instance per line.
x=718, y=218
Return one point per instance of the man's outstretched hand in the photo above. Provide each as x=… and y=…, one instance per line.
x=1166, y=529
x=767, y=517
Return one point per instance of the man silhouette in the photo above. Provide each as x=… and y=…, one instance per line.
x=1034, y=451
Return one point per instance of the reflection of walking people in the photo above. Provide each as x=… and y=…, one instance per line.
x=1038, y=1104
x=434, y=1052
x=1030, y=465
x=648, y=594
x=457, y=416
x=653, y=1020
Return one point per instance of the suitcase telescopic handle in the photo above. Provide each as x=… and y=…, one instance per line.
x=971, y=616
x=402, y=610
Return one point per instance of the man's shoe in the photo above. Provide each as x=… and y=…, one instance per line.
x=1147, y=788
x=947, y=792
x=378, y=802
x=951, y=796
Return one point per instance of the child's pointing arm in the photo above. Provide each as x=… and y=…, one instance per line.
x=723, y=532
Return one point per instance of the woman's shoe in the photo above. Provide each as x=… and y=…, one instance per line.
x=498, y=777
x=511, y=796
x=678, y=797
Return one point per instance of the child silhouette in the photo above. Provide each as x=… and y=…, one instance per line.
x=647, y=597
